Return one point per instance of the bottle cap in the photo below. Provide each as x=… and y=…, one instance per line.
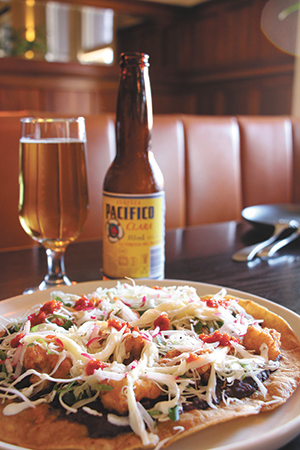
x=133, y=58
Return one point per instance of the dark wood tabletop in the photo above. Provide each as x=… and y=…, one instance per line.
x=201, y=253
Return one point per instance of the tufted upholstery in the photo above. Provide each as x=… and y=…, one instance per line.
x=213, y=167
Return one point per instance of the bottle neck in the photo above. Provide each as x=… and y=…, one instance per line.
x=134, y=109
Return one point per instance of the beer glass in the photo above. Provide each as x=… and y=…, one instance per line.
x=53, y=196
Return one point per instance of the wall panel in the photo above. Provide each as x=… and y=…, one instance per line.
x=209, y=59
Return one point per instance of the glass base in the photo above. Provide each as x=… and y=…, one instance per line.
x=47, y=284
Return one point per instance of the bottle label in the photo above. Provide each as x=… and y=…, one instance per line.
x=133, y=235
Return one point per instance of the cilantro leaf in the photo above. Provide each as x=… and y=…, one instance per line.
x=174, y=413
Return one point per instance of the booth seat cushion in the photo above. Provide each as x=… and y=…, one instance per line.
x=168, y=149
x=267, y=159
x=213, y=171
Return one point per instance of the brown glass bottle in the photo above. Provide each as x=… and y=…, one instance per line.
x=133, y=190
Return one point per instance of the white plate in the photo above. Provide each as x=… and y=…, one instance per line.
x=266, y=431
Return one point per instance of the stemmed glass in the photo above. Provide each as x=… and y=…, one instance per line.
x=53, y=200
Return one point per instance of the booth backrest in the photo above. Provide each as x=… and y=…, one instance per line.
x=267, y=160
x=213, y=167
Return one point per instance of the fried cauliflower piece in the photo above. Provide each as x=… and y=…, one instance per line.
x=37, y=358
x=130, y=348
x=133, y=347
x=116, y=400
x=255, y=337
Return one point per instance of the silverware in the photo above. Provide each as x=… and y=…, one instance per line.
x=251, y=252
x=270, y=250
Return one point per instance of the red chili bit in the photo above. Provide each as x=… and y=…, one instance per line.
x=192, y=357
x=47, y=309
x=36, y=319
x=119, y=324
x=83, y=303
x=163, y=322
x=16, y=340
x=93, y=365
x=213, y=303
x=223, y=338
x=51, y=306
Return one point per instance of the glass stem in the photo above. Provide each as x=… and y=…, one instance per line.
x=56, y=267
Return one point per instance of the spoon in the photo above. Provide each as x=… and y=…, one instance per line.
x=251, y=252
x=270, y=250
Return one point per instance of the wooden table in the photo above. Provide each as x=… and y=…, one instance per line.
x=197, y=254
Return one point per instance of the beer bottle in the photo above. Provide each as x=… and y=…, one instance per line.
x=133, y=190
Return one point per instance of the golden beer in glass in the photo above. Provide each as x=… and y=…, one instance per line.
x=53, y=200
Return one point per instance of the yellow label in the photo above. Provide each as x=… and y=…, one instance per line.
x=133, y=235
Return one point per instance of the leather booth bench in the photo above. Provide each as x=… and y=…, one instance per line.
x=213, y=167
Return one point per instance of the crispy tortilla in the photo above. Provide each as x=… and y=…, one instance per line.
x=41, y=428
